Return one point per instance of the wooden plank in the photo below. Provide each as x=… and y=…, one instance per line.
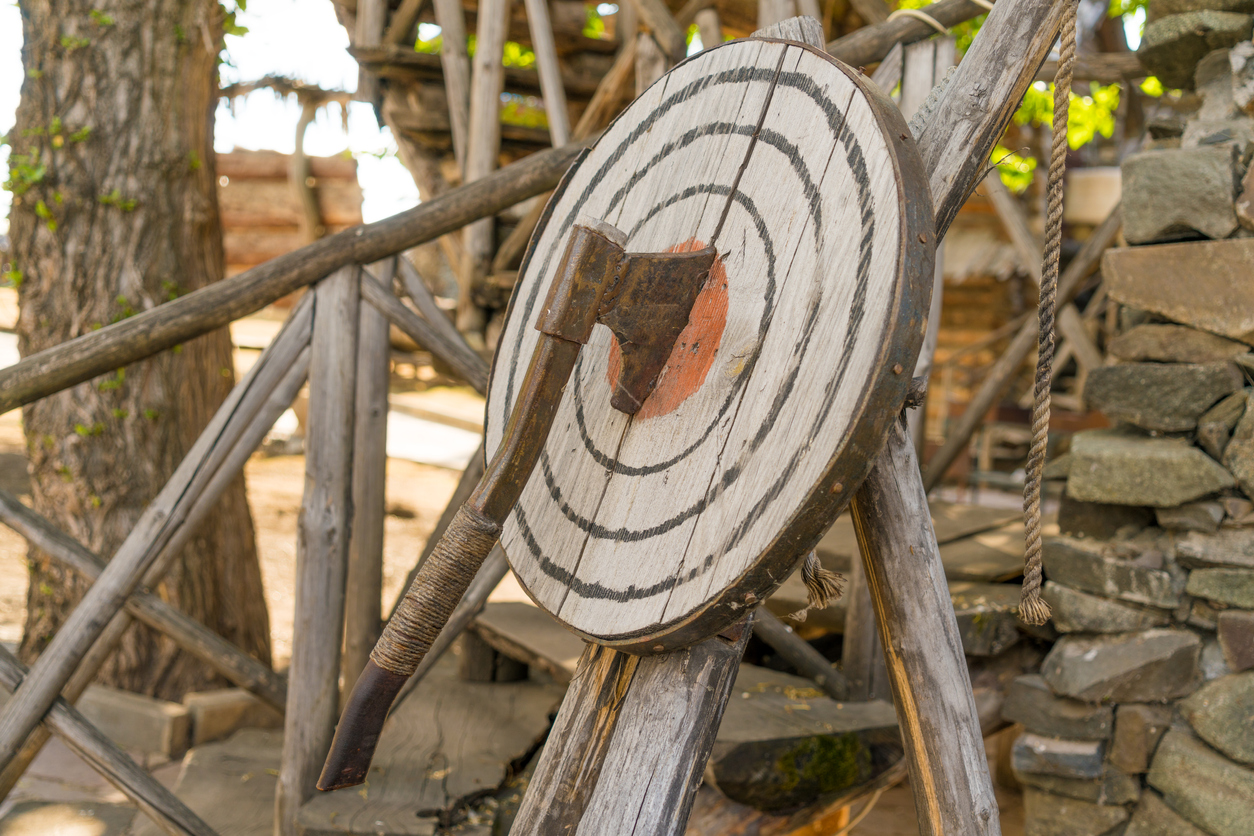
x=797, y=652
x=166, y=524
x=888, y=74
x=201, y=311
x=456, y=64
x=622, y=591
x=227, y=659
x=865, y=46
x=321, y=546
x=656, y=19
x=453, y=351
x=104, y=756
x=363, y=606
x=529, y=634
x=451, y=741
x=550, y=74
x=922, y=647
x=998, y=377
x=625, y=718
x=992, y=556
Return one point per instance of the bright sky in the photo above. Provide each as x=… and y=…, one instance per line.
x=298, y=38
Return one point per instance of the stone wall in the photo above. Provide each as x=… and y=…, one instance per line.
x=1141, y=720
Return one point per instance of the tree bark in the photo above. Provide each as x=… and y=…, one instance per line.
x=117, y=192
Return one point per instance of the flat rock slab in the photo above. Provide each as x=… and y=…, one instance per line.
x=1205, y=284
x=1053, y=756
x=1169, y=397
x=1222, y=713
x=1204, y=516
x=992, y=556
x=1239, y=453
x=1126, y=468
x=1148, y=666
x=1234, y=587
x=1138, y=728
x=1113, y=787
x=1056, y=815
x=1230, y=548
x=1172, y=46
x=783, y=743
x=1099, y=520
x=1236, y=638
x=1080, y=565
x=1081, y=612
x=1180, y=193
x=1202, y=785
x=1168, y=343
x=1152, y=817
x=59, y=818
x=528, y=634
x=136, y=721
x=1030, y=701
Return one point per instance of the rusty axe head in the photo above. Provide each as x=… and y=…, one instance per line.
x=644, y=298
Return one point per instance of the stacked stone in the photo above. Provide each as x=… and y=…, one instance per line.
x=1141, y=720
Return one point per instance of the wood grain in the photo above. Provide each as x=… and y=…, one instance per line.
x=545, y=49
x=724, y=485
x=630, y=742
x=322, y=543
x=104, y=756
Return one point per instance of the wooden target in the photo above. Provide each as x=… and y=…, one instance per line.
x=654, y=531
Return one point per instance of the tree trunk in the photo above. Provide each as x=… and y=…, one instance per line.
x=115, y=211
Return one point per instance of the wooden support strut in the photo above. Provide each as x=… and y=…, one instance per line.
x=322, y=546
x=164, y=528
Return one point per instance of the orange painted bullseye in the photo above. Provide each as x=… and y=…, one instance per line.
x=695, y=349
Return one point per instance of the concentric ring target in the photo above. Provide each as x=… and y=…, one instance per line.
x=653, y=531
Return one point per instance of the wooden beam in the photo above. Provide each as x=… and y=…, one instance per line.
x=936, y=710
x=363, y=607
x=656, y=19
x=550, y=73
x=189, y=634
x=456, y=353
x=862, y=654
x=709, y=27
x=650, y=62
x=871, y=11
x=371, y=19
x=122, y=343
x=404, y=19
x=166, y=525
x=869, y=44
x=1103, y=67
x=106, y=758
x=998, y=378
x=631, y=740
x=322, y=544
x=456, y=64
x=797, y=652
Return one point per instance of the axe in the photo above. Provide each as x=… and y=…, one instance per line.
x=645, y=299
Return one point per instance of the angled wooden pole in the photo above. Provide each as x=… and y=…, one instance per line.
x=104, y=756
x=165, y=526
x=551, y=88
x=322, y=544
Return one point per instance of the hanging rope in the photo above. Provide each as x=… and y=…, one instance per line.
x=1032, y=609
x=823, y=586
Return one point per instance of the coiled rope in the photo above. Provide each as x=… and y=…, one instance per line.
x=1032, y=609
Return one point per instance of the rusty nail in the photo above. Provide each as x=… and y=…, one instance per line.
x=922, y=238
x=659, y=648
x=838, y=487
x=897, y=368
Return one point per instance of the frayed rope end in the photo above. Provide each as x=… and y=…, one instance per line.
x=1033, y=610
x=823, y=586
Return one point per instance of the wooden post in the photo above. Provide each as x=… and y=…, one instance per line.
x=371, y=18
x=321, y=547
x=710, y=27
x=631, y=740
x=656, y=19
x=456, y=65
x=650, y=62
x=167, y=523
x=483, y=143
x=936, y=711
x=550, y=74
x=862, y=655
x=104, y=756
x=363, y=606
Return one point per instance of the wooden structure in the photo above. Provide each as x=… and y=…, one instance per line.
x=326, y=340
